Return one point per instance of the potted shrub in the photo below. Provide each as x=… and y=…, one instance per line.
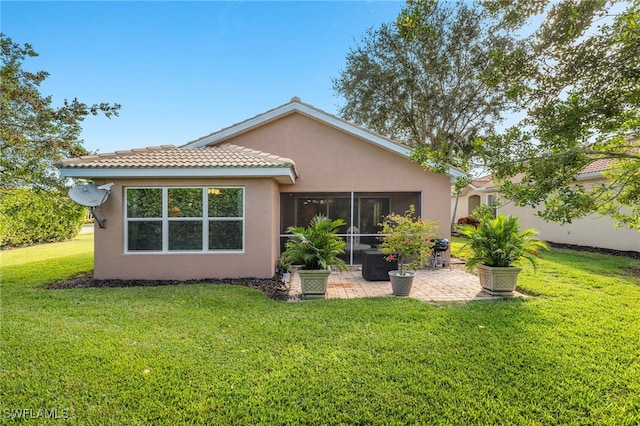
x=314, y=250
x=283, y=269
x=495, y=247
x=407, y=239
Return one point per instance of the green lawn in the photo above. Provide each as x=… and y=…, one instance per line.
x=204, y=354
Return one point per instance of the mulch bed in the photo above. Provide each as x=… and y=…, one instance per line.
x=631, y=254
x=274, y=287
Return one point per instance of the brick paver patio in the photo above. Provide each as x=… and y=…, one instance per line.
x=441, y=285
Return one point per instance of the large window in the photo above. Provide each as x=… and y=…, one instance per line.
x=184, y=219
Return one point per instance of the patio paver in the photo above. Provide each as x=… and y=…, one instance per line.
x=441, y=285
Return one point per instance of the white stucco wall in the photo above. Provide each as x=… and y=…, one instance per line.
x=591, y=231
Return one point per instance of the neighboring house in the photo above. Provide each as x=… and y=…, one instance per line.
x=590, y=231
x=219, y=207
x=479, y=191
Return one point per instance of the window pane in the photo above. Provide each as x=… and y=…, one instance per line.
x=340, y=208
x=185, y=235
x=225, y=202
x=225, y=235
x=146, y=235
x=372, y=213
x=144, y=202
x=308, y=208
x=184, y=202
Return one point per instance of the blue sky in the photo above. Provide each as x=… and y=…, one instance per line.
x=182, y=70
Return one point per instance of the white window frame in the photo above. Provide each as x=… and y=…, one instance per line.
x=165, y=219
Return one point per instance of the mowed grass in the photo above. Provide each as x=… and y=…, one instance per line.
x=205, y=354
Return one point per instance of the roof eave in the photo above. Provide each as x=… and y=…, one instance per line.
x=487, y=189
x=456, y=173
x=283, y=175
x=287, y=109
x=587, y=176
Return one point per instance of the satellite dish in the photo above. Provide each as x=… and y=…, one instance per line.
x=91, y=196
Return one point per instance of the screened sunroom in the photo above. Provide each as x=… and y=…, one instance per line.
x=362, y=212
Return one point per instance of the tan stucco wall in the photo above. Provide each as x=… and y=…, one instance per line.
x=591, y=231
x=261, y=238
x=328, y=159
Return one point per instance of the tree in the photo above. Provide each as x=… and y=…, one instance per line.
x=577, y=77
x=33, y=133
x=427, y=87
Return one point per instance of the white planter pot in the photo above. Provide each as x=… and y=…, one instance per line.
x=314, y=283
x=500, y=281
x=401, y=284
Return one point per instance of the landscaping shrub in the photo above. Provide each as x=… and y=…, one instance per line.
x=30, y=216
x=482, y=213
x=469, y=220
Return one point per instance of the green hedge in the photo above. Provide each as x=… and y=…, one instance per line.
x=33, y=216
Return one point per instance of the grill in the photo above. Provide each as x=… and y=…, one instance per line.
x=441, y=245
x=438, y=254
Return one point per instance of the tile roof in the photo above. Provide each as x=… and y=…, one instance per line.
x=594, y=167
x=170, y=156
x=483, y=181
x=597, y=166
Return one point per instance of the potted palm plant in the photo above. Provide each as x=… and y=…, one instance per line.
x=314, y=250
x=497, y=245
x=407, y=239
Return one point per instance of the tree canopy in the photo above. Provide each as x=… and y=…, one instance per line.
x=577, y=78
x=428, y=90
x=34, y=133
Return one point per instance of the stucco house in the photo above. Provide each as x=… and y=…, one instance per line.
x=219, y=206
x=590, y=231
